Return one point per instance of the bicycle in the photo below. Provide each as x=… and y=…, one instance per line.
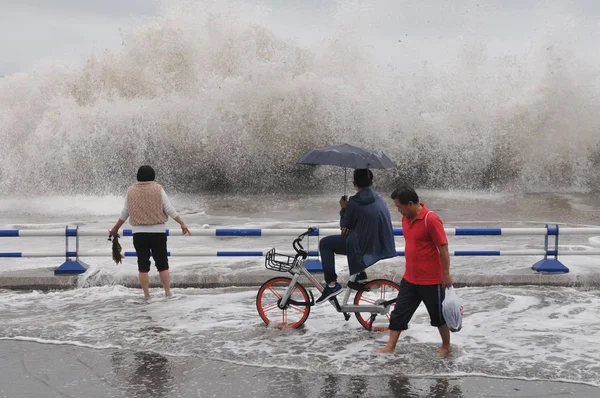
x=287, y=302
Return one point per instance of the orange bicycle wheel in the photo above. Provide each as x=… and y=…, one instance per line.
x=267, y=303
x=380, y=290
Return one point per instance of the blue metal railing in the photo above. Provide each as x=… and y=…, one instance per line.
x=545, y=265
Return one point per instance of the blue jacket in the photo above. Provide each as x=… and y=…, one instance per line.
x=371, y=235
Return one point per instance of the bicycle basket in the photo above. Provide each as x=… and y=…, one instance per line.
x=279, y=262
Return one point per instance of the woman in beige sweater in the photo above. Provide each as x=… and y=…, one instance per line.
x=148, y=208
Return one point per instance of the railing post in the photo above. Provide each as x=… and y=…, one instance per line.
x=70, y=267
x=550, y=265
x=313, y=265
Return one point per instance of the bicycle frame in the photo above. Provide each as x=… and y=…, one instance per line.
x=299, y=270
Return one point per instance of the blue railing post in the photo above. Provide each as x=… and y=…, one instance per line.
x=550, y=265
x=313, y=264
x=70, y=267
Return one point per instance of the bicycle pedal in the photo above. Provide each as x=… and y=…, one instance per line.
x=358, y=286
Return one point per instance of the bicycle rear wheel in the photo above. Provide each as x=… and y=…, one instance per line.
x=267, y=304
x=380, y=290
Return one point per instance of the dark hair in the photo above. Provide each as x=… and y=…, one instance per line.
x=363, y=178
x=405, y=195
x=146, y=173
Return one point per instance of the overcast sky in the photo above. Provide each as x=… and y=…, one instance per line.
x=70, y=30
x=31, y=30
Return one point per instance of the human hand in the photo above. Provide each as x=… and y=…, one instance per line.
x=446, y=280
x=345, y=231
x=344, y=202
x=185, y=230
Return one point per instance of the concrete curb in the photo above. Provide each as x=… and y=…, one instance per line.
x=45, y=280
x=39, y=279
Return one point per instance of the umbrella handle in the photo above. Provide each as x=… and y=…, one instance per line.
x=345, y=180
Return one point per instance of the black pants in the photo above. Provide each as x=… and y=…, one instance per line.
x=329, y=246
x=147, y=244
x=410, y=297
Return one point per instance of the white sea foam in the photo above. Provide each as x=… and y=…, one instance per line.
x=526, y=332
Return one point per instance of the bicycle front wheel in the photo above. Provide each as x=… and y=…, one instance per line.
x=267, y=303
x=380, y=290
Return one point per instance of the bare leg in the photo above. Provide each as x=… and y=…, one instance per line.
x=145, y=282
x=164, y=279
x=391, y=344
x=445, y=348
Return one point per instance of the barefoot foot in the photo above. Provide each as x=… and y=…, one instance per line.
x=442, y=351
x=385, y=349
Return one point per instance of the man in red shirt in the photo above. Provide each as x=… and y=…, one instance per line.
x=427, y=270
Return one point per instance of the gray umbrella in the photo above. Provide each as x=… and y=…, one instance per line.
x=346, y=156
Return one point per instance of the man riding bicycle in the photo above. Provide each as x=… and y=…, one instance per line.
x=367, y=234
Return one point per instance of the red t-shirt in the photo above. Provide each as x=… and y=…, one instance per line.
x=423, y=262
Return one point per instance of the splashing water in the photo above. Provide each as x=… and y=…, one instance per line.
x=214, y=97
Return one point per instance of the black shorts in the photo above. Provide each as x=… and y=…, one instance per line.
x=154, y=244
x=409, y=299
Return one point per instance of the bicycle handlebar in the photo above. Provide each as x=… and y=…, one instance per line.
x=298, y=246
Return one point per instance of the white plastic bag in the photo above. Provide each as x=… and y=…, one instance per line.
x=452, y=309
